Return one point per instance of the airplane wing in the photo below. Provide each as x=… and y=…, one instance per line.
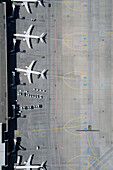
x=29, y=161
x=30, y=68
x=31, y=65
x=28, y=42
x=29, y=77
x=26, y=6
x=29, y=30
x=27, y=38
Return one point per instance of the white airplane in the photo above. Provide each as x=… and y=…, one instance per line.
x=29, y=72
x=28, y=165
x=27, y=37
x=26, y=3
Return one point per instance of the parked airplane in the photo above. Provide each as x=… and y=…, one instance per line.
x=29, y=72
x=27, y=37
x=28, y=165
x=26, y=3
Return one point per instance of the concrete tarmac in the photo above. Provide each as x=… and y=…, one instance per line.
x=78, y=56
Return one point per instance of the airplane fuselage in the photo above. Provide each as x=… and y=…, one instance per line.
x=26, y=36
x=25, y=167
x=28, y=71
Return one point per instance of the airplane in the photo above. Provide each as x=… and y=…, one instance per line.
x=26, y=3
x=28, y=165
x=27, y=37
x=29, y=72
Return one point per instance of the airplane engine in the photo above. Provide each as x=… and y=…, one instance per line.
x=24, y=40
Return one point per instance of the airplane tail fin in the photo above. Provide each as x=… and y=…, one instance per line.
x=42, y=37
x=41, y=2
x=43, y=165
x=43, y=74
